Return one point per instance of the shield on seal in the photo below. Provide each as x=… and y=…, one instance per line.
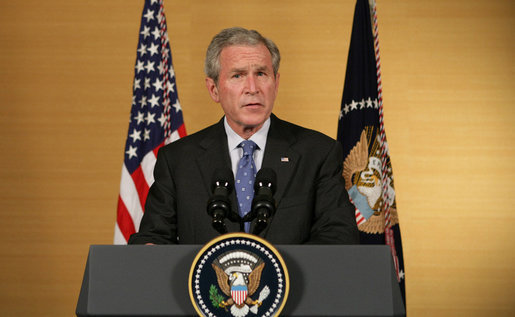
x=239, y=293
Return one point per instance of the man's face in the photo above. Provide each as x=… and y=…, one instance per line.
x=246, y=87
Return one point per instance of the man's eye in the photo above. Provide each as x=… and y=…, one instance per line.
x=261, y=74
x=236, y=76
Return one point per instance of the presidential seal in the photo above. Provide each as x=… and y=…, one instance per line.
x=238, y=275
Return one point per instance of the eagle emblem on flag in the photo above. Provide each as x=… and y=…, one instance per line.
x=362, y=174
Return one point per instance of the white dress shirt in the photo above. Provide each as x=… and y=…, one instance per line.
x=235, y=152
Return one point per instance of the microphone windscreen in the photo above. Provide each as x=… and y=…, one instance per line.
x=266, y=177
x=222, y=177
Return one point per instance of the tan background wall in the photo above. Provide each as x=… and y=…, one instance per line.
x=66, y=70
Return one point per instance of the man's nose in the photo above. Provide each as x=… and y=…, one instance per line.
x=251, y=85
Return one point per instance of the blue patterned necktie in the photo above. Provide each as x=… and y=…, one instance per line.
x=245, y=176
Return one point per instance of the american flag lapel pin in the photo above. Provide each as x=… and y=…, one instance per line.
x=285, y=159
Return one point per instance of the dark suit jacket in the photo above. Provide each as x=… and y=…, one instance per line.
x=312, y=203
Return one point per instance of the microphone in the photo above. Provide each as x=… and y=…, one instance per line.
x=218, y=206
x=263, y=204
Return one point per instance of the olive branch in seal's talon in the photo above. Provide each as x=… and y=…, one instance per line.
x=216, y=299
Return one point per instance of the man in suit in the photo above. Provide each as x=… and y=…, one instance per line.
x=312, y=205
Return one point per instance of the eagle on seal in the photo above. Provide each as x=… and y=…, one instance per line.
x=235, y=286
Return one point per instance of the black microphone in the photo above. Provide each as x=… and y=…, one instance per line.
x=218, y=206
x=263, y=204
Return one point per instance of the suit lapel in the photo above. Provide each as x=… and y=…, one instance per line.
x=280, y=157
x=215, y=155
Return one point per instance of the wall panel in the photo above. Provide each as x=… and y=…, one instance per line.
x=66, y=72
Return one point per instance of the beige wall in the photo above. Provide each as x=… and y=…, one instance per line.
x=66, y=71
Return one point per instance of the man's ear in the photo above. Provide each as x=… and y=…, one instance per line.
x=212, y=89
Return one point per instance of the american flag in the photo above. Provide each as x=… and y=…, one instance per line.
x=367, y=168
x=155, y=120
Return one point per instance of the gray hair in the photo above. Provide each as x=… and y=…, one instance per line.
x=236, y=36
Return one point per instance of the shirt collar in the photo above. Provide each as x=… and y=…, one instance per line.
x=233, y=139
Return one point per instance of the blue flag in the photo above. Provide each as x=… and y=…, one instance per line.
x=367, y=169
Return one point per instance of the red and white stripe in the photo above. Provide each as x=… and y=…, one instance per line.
x=359, y=216
x=133, y=193
x=239, y=297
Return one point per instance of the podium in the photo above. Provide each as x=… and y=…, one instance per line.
x=325, y=280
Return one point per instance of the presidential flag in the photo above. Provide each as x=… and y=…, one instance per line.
x=367, y=169
x=155, y=119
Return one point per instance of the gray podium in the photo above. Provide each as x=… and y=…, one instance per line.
x=324, y=281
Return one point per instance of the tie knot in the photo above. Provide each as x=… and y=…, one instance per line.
x=248, y=147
